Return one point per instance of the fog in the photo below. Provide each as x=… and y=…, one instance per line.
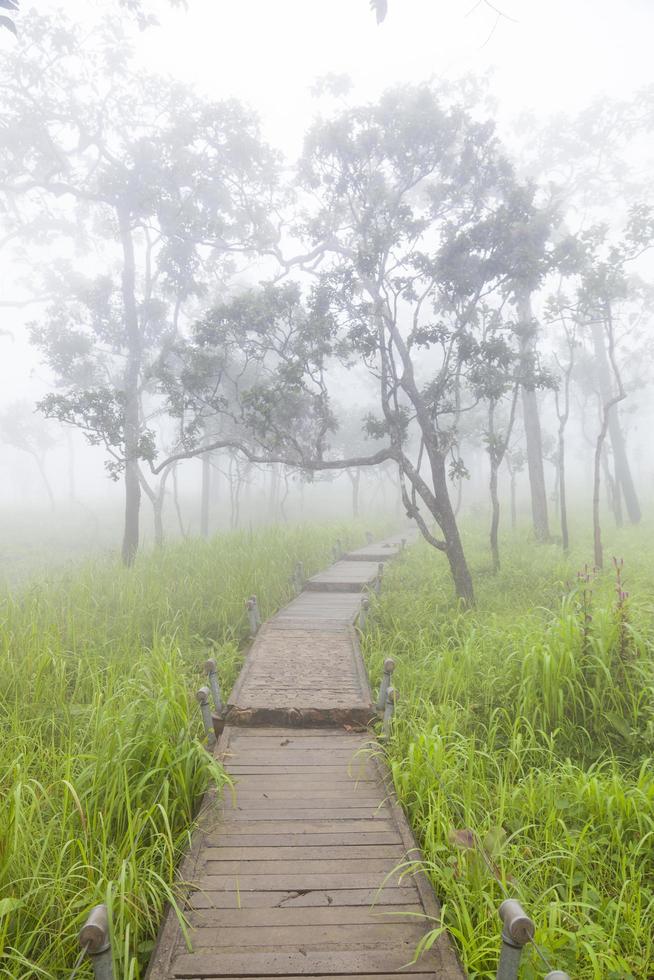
x=568, y=89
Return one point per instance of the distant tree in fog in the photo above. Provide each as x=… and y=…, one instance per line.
x=162, y=190
x=26, y=431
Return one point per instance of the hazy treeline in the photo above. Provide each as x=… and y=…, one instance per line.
x=424, y=312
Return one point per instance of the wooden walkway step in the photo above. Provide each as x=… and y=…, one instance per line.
x=304, y=871
x=306, y=866
x=303, y=676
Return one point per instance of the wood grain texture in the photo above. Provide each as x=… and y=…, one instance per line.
x=306, y=866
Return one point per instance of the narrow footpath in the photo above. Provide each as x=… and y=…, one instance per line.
x=297, y=871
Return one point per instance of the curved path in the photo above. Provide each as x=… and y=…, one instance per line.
x=297, y=871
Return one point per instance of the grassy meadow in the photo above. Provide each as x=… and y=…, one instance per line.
x=101, y=763
x=523, y=743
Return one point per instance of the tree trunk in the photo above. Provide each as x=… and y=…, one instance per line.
x=565, y=538
x=71, y=465
x=453, y=546
x=157, y=510
x=495, y=517
x=532, y=422
x=44, y=479
x=205, y=496
x=623, y=475
x=132, y=414
x=613, y=497
x=355, y=480
x=178, y=509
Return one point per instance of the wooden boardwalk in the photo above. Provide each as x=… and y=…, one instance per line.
x=301, y=869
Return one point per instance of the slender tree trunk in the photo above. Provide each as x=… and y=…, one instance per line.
x=132, y=414
x=178, y=509
x=355, y=479
x=612, y=490
x=565, y=537
x=453, y=545
x=532, y=421
x=495, y=517
x=623, y=474
x=71, y=465
x=205, y=496
x=44, y=479
x=597, y=529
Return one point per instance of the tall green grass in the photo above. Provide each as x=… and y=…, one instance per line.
x=101, y=763
x=530, y=722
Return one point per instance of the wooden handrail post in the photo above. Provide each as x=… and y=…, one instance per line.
x=364, y=613
x=95, y=940
x=202, y=697
x=212, y=676
x=517, y=930
x=387, y=676
x=389, y=711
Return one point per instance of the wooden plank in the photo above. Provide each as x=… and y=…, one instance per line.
x=386, y=934
x=218, y=964
x=309, y=852
x=317, y=881
x=380, y=836
x=336, y=898
x=262, y=803
x=257, y=918
x=360, y=976
x=299, y=866
x=301, y=828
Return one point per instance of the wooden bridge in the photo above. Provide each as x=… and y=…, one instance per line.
x=297, y=872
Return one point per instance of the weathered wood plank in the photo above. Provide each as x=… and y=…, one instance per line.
x=237, y=839
x=300, y=866
x=300, y=828
x=386, y=934
x=208, y=964
x=336, y=898
x=317, y=881
x=321, y=915
x=300, y=852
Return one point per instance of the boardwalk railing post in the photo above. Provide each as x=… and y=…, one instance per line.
x=389, y=711
x=298, y=576
x=337, y=550
x=403, y=544
x=365, y=611
x=253, y=614
x=518, y=929
x=380, y=575
x=210, y=668
x=369, y=537
x=203, y=700
x=94, y=938
x=387, y=676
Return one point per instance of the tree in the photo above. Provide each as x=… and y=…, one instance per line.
x=412, y=219
x=165, y=187
x=22, y=429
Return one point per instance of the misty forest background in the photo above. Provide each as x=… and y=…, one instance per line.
x=436, y=317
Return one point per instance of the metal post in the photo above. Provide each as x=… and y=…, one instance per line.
x=253, y=619
x=210, y=668
x=389, y=711
x=369, y=537
x=298, y=576
x=257, y=611
x=203, y=700
x=380, y=575
x=365, y=610
x=94, y=937
x=387, y=676
x=518, y=929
